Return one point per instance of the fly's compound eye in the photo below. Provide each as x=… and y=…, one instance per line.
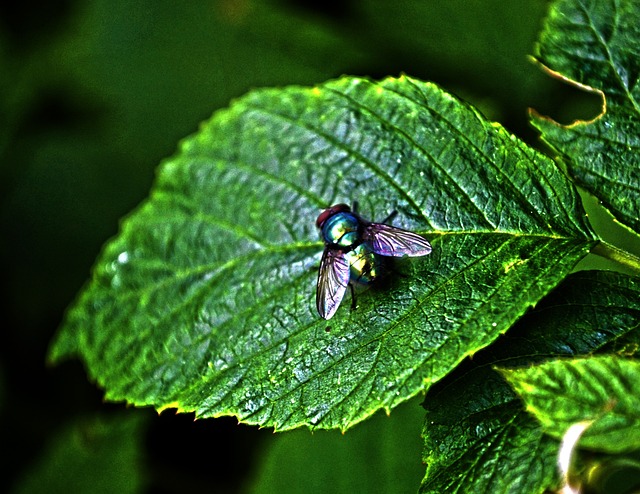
x=329, y=212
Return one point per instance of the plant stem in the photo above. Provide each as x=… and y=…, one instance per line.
x=608, y=251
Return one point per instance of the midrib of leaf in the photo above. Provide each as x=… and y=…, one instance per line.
x=511, y=233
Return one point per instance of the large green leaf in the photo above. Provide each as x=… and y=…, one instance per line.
x=205, y=300
x=595, y=43
x=475, y=414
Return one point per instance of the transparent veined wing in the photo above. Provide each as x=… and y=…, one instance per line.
x=387, y=240
x=333, y=278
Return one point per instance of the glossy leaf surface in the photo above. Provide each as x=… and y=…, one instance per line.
x=595, y=44
x=205, y=300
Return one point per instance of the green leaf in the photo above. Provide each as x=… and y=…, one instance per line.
x=603, y=389
x=474, y=413
x=595, y=44
x=205, y=300
x=381, y=455
x=589, y=311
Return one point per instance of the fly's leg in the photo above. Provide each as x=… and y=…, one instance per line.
x=354, y=304
x=392, y=215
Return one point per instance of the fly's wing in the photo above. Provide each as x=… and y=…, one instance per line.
x=388, y=240
x=333, y=278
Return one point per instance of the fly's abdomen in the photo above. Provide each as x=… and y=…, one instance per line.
x=363, y=263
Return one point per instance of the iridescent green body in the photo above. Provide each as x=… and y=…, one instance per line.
x=363, y=264
x=343, y=231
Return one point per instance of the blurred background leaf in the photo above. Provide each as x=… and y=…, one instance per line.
x=382, y=455
x=94, y=94
x=100, y=454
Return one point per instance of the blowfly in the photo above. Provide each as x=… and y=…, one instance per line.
x=351, y=246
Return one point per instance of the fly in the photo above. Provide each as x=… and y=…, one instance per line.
x=352, y=245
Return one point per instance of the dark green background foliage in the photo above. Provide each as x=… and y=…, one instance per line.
x=94, y=94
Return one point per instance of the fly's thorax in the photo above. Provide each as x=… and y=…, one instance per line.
x=363, y=263
x=342, y=230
